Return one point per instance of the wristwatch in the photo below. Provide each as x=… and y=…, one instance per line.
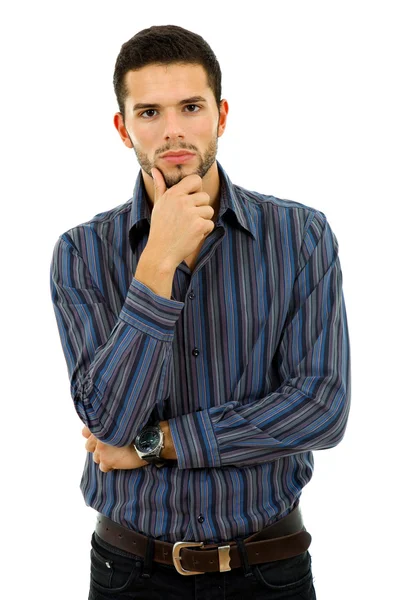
x=148, y=444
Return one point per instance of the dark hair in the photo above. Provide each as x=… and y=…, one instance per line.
x=164, y=44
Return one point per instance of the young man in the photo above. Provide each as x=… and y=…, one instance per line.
x=205, y=333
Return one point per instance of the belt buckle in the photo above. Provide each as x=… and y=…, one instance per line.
x=176, y=557
x=223, y=555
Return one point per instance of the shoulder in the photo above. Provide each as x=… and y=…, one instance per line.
x=100, y=227
x=267, y=201
x=265, y=207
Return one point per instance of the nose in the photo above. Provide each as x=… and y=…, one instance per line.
x=173, y=126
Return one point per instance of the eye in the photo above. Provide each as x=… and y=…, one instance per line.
x=149, y=110
x=193, y=107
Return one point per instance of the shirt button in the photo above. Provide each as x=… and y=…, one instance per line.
x=200, y=519
x=191, y=295
x=195, y=351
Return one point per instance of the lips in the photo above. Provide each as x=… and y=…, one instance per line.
x=177, y=158
x=180, y=153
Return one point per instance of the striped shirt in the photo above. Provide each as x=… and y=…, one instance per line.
x=249, y=361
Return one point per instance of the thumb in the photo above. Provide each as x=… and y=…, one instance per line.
x=159, y=184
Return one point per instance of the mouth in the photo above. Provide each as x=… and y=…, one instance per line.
x=177, y=158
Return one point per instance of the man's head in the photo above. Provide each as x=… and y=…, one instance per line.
x=168, y=86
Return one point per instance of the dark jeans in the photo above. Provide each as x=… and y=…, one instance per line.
x=119, y=575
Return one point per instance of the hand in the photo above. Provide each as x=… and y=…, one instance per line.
x=181, y=218
x=111, y=457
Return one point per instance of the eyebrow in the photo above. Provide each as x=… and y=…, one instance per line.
x=191, y=100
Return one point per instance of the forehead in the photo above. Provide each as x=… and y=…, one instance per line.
x=166, y=83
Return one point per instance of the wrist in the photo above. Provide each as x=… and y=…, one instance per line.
x=155, y=260
x=168, y=452
x=155, y=273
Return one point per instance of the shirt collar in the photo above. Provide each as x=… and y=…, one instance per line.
x=231, y=203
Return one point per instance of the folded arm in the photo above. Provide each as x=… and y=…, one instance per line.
x=117, y=363
x=309, y=410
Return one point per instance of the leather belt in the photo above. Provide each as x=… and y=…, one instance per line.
x=283, y=539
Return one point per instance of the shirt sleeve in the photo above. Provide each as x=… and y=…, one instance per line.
x=117, y=364
x=309, y=409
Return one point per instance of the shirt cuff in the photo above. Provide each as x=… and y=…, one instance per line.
x=150, y=313
x=195, y=441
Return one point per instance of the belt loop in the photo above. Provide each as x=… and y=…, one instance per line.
x=148, y=559
x=244, y=558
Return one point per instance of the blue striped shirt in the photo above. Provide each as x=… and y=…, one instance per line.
x=249, y=361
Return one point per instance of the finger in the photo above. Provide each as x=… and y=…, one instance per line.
x=98, y=461
x=159, y=184
x=206, y=212
x=91, y=444
x=190, y=184
x=208, y=227
x=103, y=468
x=86, y=432
x=200, y=198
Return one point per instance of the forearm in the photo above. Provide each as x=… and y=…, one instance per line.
x=116, y=361
x=236, y=434
x=158, y=277
x=309, y=410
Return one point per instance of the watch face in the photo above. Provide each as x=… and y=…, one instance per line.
x=148, y=441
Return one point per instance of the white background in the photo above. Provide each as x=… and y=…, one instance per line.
x=314, y=117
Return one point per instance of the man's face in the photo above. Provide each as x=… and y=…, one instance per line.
x=172, y=108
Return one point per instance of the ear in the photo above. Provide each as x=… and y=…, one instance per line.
x=120, y=127
x=223, y=113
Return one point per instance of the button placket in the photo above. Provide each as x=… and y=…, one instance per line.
x=195, y=351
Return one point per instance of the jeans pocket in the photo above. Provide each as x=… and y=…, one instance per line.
x=112, y=572
x=291, y=574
